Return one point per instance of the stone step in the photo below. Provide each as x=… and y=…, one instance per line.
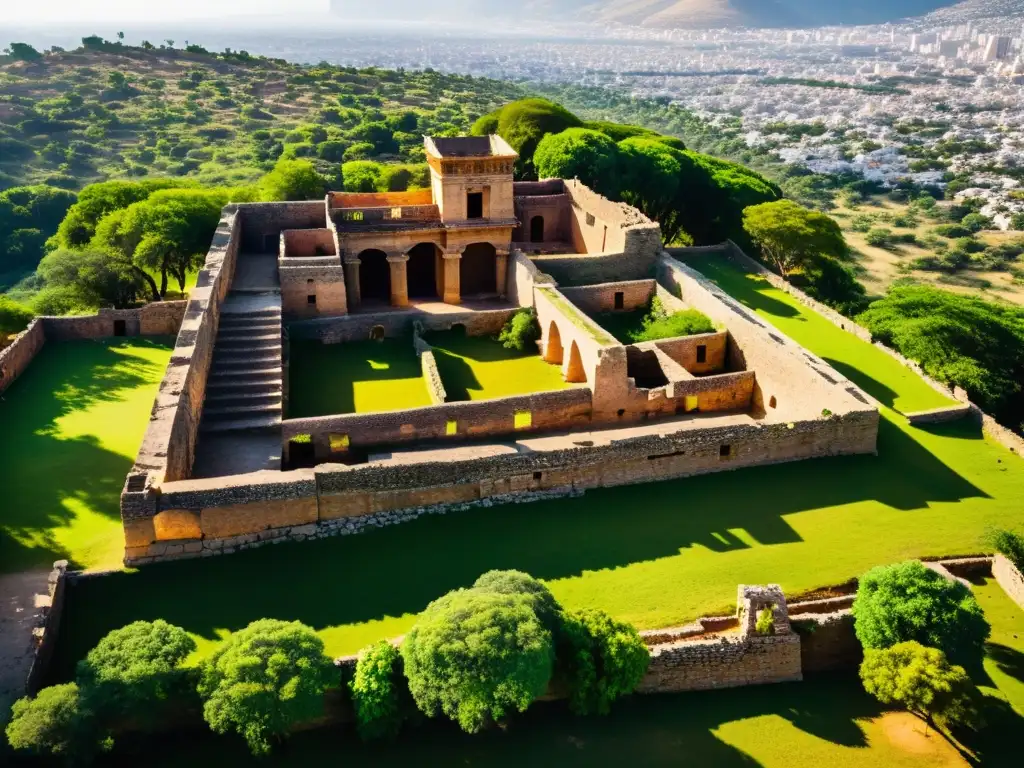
x=268, y=325
x=244, y=353
x=259, y=359
x=234, y=412
x=265, y=421
x=248, y=340
x=217, y=387
x=231, y=334
x=269, y=373
x=224, y=398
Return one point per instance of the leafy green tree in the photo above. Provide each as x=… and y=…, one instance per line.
x=23, y=52
x=361, y=175
x=652, y=176
x=265, y=679
x=134, y=668
x=14, y=317
x=579, y=153
x=379, y=692
x=56, y=722
x=477, y=656
x=833, y=283
x=1008, y=543
x=686, y=322
x=922, y=681
x=521, y=331
x=292, y=180
x=523, y=124
x=523, y=584
x=907, y=601
x=602, y=659
x=960, y=340
x=84, y=280
x=789, y=235
x=976, y=222
x=618, y=132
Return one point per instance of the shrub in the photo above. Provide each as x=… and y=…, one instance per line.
x=477, y=655
x=380, y=693
x=55, y=722
x=922, y=681
x=879, y=237
x=976, y=222
x=907, y=601
x=133, y=668
x=952, y=230
x=765, y=624
x=684, y=323
x=601, y=659
x=14, y=317
x=832, y=282
x=521, y=331
x=263, y=680
x=523, y=584
x=1010, y=544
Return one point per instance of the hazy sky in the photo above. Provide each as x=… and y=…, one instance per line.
x=56, y=11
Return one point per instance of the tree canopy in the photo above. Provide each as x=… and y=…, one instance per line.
x=292, y=180
x=790, y=235
x=55, y=722
x=523, y=124
x=579, y=153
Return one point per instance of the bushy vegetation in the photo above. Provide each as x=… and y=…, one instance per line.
x=907, y=601
x=765, y=624
x=523, y=123
x=959, y=340
x=922, y=681
x=522, y=331
x=56, y=722
x=380, y=694
x=263, y=680
x=1010, y=544
x=28, y=217
x=14, y=317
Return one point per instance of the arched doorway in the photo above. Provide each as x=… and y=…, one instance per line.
x=574, y=373
x=421, y=271
x=553, y=347
x=374, y=276
x=478, y=270
x=537, y=229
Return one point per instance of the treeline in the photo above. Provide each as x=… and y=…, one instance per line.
x=812, y=83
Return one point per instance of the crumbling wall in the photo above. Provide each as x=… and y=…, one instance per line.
x=523, y=275
x=684, y=350
x=827, y=641
x=398, y=323
x=262, y=223
x=307, y=242
x=1009, y=578
x=15, y=358
x=635, y=294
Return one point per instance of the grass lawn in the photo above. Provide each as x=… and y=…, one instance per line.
x=355, y=377
x=1004, y=662
x=71, y=426
x=656, y=555
x=480, y=368
x=622, y=325
x=826, y=721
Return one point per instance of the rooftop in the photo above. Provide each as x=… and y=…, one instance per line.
x=469, y=146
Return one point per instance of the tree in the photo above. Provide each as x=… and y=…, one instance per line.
x=23, y=52
x=660, y=325
x=976, y=222
x=263, y=680
x=523, y=124
x=652, y=174
x=134, y=668
x=476, y=656
x=602, y=659
x=14, y=318
x=55, y=722
x=833, y=283
x=361, y=175
x=380, y=693
x=906, y=601
x=292, y=180
x=922, y=681
x=521, y=331
x=86, y=280
x=524, y=585
x=579, y=153
x=1009, y=544
x=789, y=235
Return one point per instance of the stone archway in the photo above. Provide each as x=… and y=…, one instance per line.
x=478, y=270
x=537, y=229
x=553, y=348
x=574, y=373
x=421, y=271
x=374, y=275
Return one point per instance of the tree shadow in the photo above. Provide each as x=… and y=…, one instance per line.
x=48, y=477
x=881, y=392
x=750, y=290
x=322, y=377
x=1009, y=660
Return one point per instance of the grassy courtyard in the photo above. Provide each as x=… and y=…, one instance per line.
x=71, y=427
x=622, y=325
x=480, y=368
x=355, y=377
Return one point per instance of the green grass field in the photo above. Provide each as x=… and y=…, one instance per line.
x=622, y=325
x=71, y=426
x=480, y=368
x=355, y=377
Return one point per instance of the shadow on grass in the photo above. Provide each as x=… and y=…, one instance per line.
x=322, y=377
x=334, y=581
x=41, y=471
x=652, y=730
x=456, y=354
x=751, y=291
x=1009, y=660
x=881, y=392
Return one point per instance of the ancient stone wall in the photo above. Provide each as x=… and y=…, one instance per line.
x=48, y=629
x=312, y=286
x=161, y=318
x=307, y=242
x=827, y=641
x=399, y=323
x=561, y=409
x=722, y=663
x=584, y=269
x=1009, y=578
x=523, y=275
x=15, y=358
x=684, y=350
x=555, y=213
x=610, y=297
x=380, y=199
x=262, y=223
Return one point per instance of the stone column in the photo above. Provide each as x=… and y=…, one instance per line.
x=399, y=279
x=452, y=262
x=352, y=283
x=500, y=271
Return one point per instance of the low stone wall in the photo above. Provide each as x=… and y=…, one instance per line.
x=432, y=376
x=560, y=409
x=15, y=357
x=46, y=632
x=722, y=663
x=398, y=323
x=601, y=298
x=827, y=641
x=582, y=269
x=938, y=415
x=1009, y=578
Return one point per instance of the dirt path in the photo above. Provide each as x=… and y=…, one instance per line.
x=18, y=616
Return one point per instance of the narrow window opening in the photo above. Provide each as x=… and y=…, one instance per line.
x=538, y=475
x=725, y=451
x=702, y=353
x=620, y=299
x=622, y=412
x=773, y=403
x=474, y=205
x=310, y=281
x=590, y=220
x=377, y=333
x=311, y=299
x=120, y=328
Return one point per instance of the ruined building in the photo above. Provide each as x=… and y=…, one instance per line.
x=223, y=466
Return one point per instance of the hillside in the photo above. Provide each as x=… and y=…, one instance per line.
x=652, y=13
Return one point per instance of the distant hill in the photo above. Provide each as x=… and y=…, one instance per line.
x=650, y=13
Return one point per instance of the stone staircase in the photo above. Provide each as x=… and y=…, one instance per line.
x=245, y=387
